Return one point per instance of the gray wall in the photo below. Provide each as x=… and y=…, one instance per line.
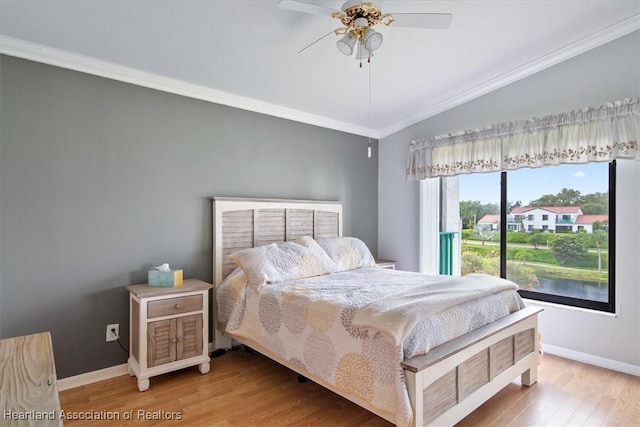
x=608, y=73
x=101, y=180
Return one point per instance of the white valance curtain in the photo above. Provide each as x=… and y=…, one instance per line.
x=600, y=134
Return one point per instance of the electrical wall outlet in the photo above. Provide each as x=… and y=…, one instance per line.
x=113, y=332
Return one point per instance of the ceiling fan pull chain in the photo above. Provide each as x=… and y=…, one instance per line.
x=369, y=113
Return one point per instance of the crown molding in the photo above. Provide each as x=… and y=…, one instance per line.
x=59, y=58
x=585, y=44
x=63, y=59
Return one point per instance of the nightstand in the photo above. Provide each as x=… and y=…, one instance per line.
x=385, y=263
x=168, y=329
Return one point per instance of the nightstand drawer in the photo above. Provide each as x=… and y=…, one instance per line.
x=171, y=306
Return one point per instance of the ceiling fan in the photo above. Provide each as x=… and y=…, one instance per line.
x=358, y=18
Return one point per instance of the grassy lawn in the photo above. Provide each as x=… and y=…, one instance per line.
x=555, y=271
x=542, y=263
x=518, y=245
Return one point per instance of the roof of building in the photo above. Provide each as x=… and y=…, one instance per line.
x=489, y=219
x=554, y=209
x=590, y=219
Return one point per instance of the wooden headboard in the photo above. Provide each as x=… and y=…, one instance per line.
x=245, y=223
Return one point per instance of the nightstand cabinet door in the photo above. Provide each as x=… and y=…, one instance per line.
x=161, y=342
x=189, y=336
x=174, y=339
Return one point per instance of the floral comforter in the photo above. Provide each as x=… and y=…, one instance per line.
x=309, y=323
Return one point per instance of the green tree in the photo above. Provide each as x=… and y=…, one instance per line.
x=471, y=263
x=520, y=274
x=599, y=239
x=510, y=205
x=568, y=197
x=471, y=211
x=537, y=238
x=568, y=248
x=546, y=200
x=591, y=204
x=600, y=226
x=595, y=208
x=484, y=234
x=595, y=203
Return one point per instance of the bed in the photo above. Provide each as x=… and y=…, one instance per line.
x=329, y=341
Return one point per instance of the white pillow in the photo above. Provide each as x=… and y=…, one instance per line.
x=282, y=261
x=347, y=252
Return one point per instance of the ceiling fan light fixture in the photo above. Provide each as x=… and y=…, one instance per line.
x=360, y=22
x=372, y=39
x=359, y=17
x=345, y=44
x=363, y=52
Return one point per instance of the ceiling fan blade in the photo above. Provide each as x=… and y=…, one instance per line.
x=312, y=43
x=436, y=21
x=307, y=7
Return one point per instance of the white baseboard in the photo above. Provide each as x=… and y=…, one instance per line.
x=92, y=377
x=116, y=371
x=602, y=362
x=99, y=375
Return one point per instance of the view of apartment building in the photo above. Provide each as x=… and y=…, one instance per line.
x=556, y=219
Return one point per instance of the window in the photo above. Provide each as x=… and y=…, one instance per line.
x=483, y=248
x=545, y=218
x=571, y=260
x=530, y=217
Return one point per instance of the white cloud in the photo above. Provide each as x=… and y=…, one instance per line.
x=579, y=174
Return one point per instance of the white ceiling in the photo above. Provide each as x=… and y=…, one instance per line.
x=243, y=53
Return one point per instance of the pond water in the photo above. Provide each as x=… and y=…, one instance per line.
x=574, y=288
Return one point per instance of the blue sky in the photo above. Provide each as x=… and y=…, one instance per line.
x=529, y=184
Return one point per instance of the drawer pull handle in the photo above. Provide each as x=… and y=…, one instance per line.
x=177, y=306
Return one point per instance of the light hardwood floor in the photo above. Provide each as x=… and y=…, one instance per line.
x=246, y=389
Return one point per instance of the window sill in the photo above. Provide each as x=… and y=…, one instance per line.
x=529, y=302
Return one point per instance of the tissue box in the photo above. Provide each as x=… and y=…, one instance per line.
x=165, y=278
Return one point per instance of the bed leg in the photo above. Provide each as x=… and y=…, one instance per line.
x=415, y=388
x=529, y=377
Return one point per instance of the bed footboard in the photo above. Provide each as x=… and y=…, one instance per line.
x=453, y=379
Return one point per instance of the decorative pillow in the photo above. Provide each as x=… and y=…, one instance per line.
x=347, y=252
x=282, y=261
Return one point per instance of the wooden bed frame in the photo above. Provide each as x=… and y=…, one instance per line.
x=447, y=383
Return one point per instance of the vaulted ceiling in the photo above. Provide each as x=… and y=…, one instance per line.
x=244, y=53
